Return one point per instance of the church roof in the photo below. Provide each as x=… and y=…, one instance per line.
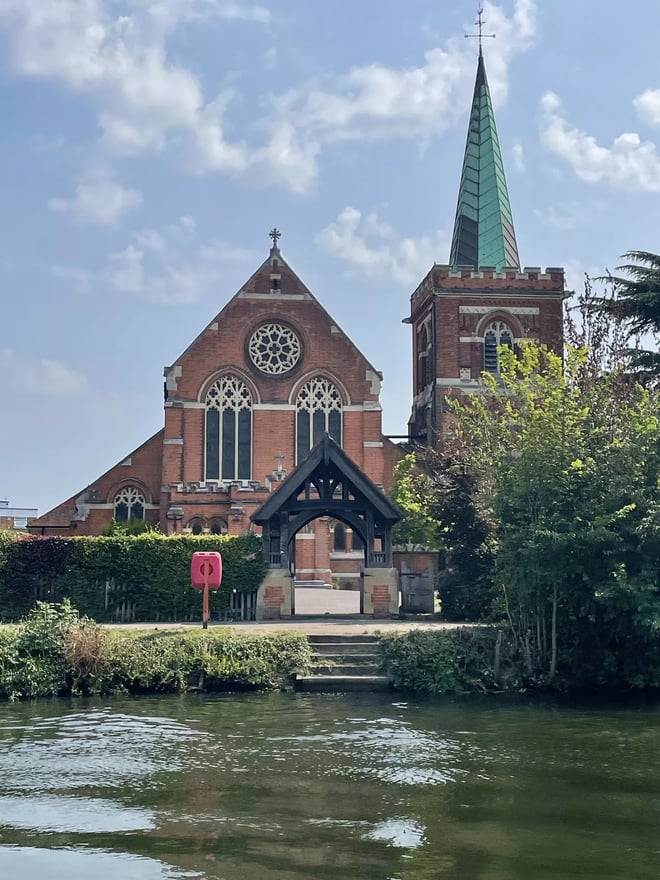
x=483, y=229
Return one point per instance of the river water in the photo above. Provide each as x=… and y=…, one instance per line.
x=285, y=786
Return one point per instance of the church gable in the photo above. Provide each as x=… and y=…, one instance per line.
x=273, y=333
x=263, y=382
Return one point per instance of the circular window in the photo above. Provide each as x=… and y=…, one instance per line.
x=274, y=349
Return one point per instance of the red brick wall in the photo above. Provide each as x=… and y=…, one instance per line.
x=492, y=296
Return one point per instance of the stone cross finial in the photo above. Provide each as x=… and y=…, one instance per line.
x=480, y=24
x=275, y=234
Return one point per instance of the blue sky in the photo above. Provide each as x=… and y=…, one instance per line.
x=148, y=146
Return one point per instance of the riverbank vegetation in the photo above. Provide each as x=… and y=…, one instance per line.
x=546, y=501
x=54, y=652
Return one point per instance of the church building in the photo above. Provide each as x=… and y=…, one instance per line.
x=261, y=385
x=272, y=374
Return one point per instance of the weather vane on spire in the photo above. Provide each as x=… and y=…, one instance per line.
x=480, y=24
x=275, y=234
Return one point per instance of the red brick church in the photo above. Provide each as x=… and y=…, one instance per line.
x=272, y=373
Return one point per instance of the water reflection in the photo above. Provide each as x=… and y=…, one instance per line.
x=27, y=862
x=287, y=786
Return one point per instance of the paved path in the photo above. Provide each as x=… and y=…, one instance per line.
x=334, y=626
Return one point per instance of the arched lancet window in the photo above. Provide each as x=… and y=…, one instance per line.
x=496, y=334
x=229, y=430
x=218, y=526
x=423, y=371
x=196, y=526
x=129, y=504
x=318, y=412
x=340, y=537
x=357, y=544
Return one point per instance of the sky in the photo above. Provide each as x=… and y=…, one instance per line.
x=148, y=146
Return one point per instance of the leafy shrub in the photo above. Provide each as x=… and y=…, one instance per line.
x=441, y=662
x=54, y=651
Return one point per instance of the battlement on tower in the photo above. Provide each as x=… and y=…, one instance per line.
x=465, y=279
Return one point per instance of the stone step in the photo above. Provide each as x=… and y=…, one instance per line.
x=345, y=648
x=347, y=669
x=341, y=683
x=363, y=638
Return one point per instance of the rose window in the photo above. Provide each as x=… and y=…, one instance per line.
x=274, y=349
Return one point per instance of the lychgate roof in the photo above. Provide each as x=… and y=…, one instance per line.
x=327, y=464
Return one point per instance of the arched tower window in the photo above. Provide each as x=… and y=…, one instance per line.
x=318, y=411
x=229, y=430
x=340, y=537
x=423, y=358
x=496, y=334
x=129, y=504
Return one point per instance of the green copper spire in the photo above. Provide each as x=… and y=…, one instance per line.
x=483, y=231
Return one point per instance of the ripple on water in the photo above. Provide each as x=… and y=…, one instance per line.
x=387, y=750
x=57, y=813
x=86, y=749
x=397, y=831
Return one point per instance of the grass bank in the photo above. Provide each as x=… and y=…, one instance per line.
x=55, y=652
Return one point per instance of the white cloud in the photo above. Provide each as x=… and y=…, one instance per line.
x=569, y=214
x=629, y=162
x=120, y=60
x=372, y=248
x=648, y=106
x=165, y=266
x=145, y=101
x=100, y=200
x=373, y=100
x=270, y=58
x=44, y=377
x=518, y=156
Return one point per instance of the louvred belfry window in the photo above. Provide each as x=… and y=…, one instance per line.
x=229, y=430
x=496, y=334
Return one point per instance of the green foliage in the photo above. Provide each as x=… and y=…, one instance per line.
x=411, y=491
x=130, y=527
x=123, y=577
x=436, y=492
x=634, y=303
x=566, y=464
x=441, y=662
x=55, y=652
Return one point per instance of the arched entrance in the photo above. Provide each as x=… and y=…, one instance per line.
x=327, y=484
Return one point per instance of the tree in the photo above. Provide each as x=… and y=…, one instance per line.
x=435, y=493
x=411, y=491
x=635, y=303
x=567, y=468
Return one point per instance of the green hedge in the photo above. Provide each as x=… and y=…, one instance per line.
x=55, y=652
x=123, y=577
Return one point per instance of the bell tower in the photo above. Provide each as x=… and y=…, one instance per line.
x=463, y=310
